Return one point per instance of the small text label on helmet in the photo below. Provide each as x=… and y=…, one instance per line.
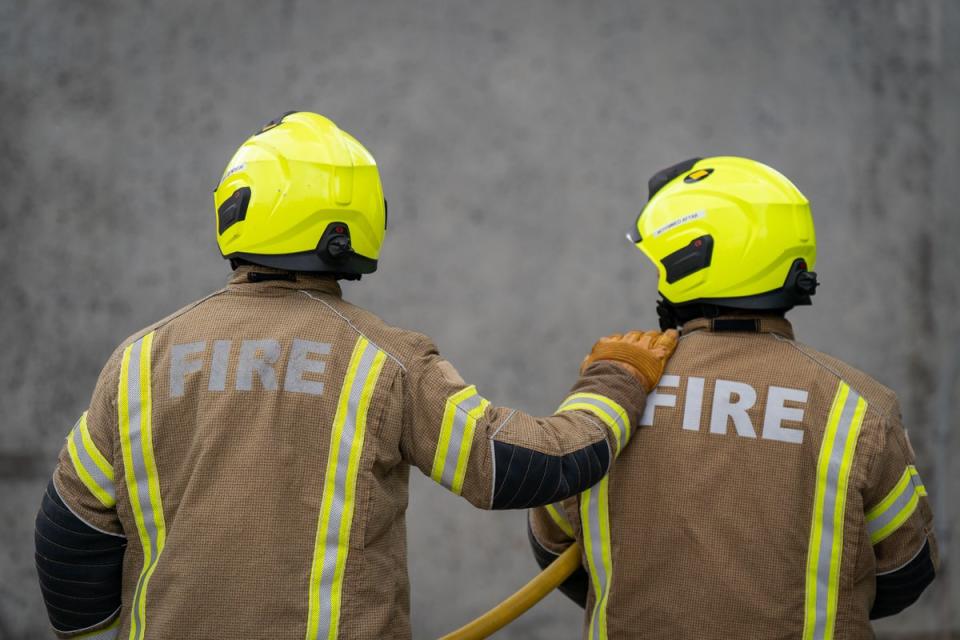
x=682, y=220
x=232, y=170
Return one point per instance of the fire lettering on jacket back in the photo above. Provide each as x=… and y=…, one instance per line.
x=731, y=404
x=255, y=360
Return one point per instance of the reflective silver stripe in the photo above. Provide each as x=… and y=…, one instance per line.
x=825, y=552
x=137, y=419
x=332, y=541
x=110, y=633
x=90, y=466
x=616, y=417
x=898, y=505
x=898, y=511
x=596, y=559
x=463, y=409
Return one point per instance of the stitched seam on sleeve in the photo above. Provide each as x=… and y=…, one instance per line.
x=70, y=509
x=509, y=464
x=912, y=558
x=503, y=424
x=523, y=481
x=97, y=624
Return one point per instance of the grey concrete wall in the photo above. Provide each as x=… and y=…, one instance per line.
x=515, y=140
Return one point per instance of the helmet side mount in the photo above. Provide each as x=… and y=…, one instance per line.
x=233, y=209
x=690, y=259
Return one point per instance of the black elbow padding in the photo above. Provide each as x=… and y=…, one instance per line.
x=574, y=587
x=899, y=589
x=80, y=568
x=526, y=478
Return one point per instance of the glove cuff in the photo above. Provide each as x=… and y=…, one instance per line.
x=645, y=363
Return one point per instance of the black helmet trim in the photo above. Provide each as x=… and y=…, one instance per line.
x=310, y=262
x=797, y=290
x=334, y=254
x=660, y=179
x=656, y=182
x=275, y=122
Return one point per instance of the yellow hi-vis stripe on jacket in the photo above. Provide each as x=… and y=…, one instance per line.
x=896, y=507
x=559, y=517
x=91, y=465
x=825, y=550
x=460, y=416
x=594, y=514
x=339, y=490
x=596, y=544
x=611, y=413
x=140, y=467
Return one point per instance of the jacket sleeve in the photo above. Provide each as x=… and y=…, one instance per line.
x=79, y=540
x=900, y=524
x=501, y=458
x=551, y=530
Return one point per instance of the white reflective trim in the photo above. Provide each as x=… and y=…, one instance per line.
x=458, y=436
x=81, y=519
x=107, y=633
x=90, y=466
x=341, y=452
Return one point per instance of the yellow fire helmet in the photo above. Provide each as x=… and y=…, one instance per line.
x=727, y=232
x=302, y=195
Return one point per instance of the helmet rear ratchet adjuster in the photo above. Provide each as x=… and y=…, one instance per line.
x=335, y=243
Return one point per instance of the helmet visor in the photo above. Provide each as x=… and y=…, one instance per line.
x=633, y=233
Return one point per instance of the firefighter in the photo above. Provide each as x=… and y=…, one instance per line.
x=242, y=469
x=772, y=491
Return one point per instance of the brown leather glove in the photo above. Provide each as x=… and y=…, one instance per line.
x=643, y=353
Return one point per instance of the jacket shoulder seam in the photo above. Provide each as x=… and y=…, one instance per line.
x=355, y=328
x=165, y=321
x=826, y=367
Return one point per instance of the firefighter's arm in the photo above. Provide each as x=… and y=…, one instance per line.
x=900, y=523
x=551, y=530
x=501, y=458
x=79, y=540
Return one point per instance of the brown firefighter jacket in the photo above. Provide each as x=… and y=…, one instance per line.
x=769, y=493
x=254, y=450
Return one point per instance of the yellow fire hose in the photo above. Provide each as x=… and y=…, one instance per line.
x=528, y=595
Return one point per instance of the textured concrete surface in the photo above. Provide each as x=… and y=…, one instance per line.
x=515, y=140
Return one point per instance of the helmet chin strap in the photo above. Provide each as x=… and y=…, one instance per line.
x=673, y=316
x=667, y=315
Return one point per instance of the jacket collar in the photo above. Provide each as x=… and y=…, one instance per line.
x=741, y=324
x=257, y=278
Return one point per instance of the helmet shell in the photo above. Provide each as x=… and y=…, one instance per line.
x=303, y=174
x=756, y=222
